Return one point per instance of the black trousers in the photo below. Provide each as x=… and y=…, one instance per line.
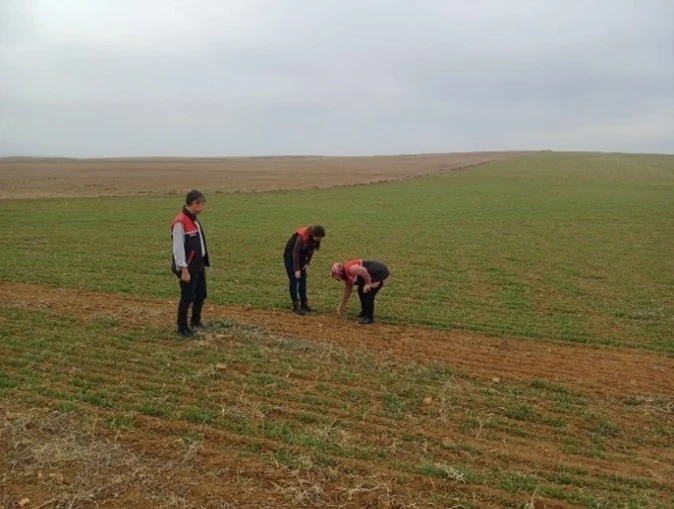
x=194, y=294
x=367, y=299
x=296, y=287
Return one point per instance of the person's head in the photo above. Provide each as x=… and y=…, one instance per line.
x=337, y=271
x=195, y=201
x=317, y=233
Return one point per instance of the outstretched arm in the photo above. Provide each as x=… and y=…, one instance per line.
x=345, y=298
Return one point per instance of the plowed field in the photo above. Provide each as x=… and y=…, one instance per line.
x=268, y=409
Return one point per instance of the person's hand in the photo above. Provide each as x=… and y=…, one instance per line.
x=366, y=288
x=298, y=274
x=185, y=275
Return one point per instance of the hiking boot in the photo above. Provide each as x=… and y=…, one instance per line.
x=186, y=333
x=366, y=320
x=305, y=307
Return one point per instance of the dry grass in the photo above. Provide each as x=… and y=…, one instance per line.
x=50, y=452
x=66, y=461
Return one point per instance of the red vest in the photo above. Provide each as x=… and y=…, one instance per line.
x=304, y=235
x=193, y=255
x=189, y=226
x=348, y=277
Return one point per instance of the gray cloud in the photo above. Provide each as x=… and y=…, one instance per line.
x=254, y=77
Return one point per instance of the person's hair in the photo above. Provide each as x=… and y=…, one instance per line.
x=337, y=269
x=193, y=196
x=316, y=230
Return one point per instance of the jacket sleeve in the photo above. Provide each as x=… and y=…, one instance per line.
x=179, y=245
x=297, y=253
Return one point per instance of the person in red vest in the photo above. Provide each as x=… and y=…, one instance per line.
x=190, y=259
x=369, y=276
x=297, y=256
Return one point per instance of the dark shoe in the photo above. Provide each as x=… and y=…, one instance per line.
x=186, y=333
x=297, y=308
x=197, y=325
x=362, y=314
x=305, y=307
x=366, y=320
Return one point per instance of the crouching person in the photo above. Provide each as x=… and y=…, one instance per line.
x=369, y=276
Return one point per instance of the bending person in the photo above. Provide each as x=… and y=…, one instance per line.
x=297, y=256
x=369, y=276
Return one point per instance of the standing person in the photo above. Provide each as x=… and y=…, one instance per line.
x=369, y=276
x=297, y=257
x=190, y=259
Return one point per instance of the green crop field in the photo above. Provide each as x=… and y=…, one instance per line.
x=522, y=356
x=573, y=247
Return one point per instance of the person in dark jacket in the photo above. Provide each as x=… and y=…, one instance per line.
x=190, y=259
x=369, y=276
x=297, y=256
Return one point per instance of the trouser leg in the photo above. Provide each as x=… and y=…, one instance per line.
x=199, y=296
x=186, y=300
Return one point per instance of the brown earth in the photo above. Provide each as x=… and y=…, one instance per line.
x=151, y=466
x=597, y=369
x=64, y=178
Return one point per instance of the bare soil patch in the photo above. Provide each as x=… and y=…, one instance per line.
x=602, y=370
x=67, y=178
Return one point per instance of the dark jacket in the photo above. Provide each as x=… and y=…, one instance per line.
x=300, y=248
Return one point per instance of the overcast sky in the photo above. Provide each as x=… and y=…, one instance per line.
x=97, y=78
